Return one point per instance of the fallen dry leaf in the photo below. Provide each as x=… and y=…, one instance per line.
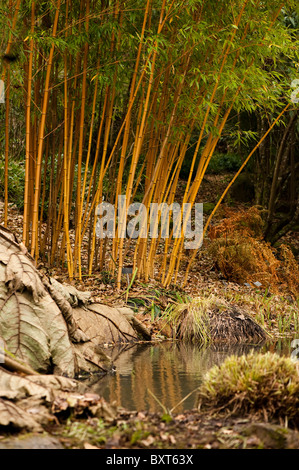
x=148, y=441
x=89, y=446
x=11, y=414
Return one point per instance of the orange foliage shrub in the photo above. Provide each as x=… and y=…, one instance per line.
x=289, y=270
x=241, y=255
x=245, y=222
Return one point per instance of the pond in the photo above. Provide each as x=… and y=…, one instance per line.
x=150, y=376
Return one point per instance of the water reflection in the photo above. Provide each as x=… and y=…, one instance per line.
x=169, y=370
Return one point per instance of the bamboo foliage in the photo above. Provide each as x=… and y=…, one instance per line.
x=117, y=95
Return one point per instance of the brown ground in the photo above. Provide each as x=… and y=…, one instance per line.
x=190, y=430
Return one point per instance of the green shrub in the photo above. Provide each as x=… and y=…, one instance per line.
x=16, y=182
x=227, y=162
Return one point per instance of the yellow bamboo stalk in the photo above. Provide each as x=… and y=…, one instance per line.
x=206, y=158
x=43, y=194
x=103, y=169
x=141, y=259
x=90, y=134
x=155, y=177
x=72, y=144
x=102, y=173
x=209, y=150
x=148, y=261
x=178, y=242
x=99, y=191
x=116, y=239
x=6, y=146
x=78, y=238
x=139, y=142
x=66, y=167
x=153, y=245
x=91, y=182
x=13, y=27
x=41, y=137
x=128, y=120
x=7, y=103
x=28, y=135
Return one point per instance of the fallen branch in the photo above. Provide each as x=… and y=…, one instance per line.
x=14, y=365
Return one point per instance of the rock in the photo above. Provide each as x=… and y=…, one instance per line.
x=271, y=436
x=257, y=284
x=31, y=442
x=53, y=327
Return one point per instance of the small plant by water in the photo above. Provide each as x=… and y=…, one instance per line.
x=263, y=384
x=190, y=318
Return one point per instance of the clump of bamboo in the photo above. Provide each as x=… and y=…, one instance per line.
x=111, y=110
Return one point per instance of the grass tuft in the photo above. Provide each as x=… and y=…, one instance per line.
x=263, y=384
x=190, y=319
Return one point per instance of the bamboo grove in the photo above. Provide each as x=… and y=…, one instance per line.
x=115, y=94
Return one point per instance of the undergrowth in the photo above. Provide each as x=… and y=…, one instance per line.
x=242, y=256
x=16, y=179
x=275, y=312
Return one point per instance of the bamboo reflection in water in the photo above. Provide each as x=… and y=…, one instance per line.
x=115, y=390
x=172, y=392
x=142, y=380
x=152, y=375
x=158, y=378
x=170, y=371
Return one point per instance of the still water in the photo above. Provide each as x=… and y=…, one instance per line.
x=166, y=372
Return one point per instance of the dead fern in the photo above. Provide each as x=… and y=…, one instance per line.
x=244, y=259
x=241, y=255
x=246, y=222
x=289, y=270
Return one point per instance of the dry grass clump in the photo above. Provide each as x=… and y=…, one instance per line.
x=233, y=325
x=263, y=384
x=190, y=320
x=210, y=319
